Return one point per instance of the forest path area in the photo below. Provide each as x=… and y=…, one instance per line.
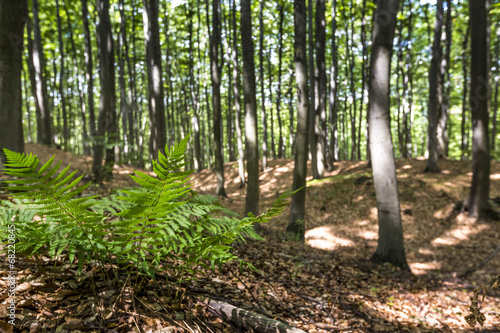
x=326, y=285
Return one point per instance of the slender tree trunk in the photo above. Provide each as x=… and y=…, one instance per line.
x=289, y=93
x=237, y=100
x=44, y=123
x=350, y=59
x=13, y=14
x=281, y=146
x=81, y=99
x=477, y=203
x=497, y=83
x=89, y=65
x=320, y=84
x=390, y=242
x=271, y=115
x=262, y=92
x=399, y=71
x=229, y=113
x=407, y=88
x=434, y=108
x=312, y=90
x=333, y=92
x=442, y=130
x=107, y=113
x=124, y=103
x=216, y=99
x=296, y=224
x=363, y=75
x=465, y=137
x=62, y=96
x=249, y=91
x=155, y=82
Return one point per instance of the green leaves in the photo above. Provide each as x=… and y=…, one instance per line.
x=161, y=222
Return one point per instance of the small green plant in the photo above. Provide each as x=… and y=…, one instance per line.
x=162, y=224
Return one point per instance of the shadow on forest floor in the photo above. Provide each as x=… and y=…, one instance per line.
x=329, y=284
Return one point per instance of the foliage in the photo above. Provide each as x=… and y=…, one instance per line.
x=162, y=224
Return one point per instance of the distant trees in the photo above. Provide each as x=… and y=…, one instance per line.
x=12, y=19
x=296, y=227
x=390, y=246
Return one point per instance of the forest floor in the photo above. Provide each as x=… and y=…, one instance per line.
x=326, y=285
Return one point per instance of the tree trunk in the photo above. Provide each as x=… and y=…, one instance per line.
x=124, y=103
x=237, y=100
x=312, y=103
x=262, y=92
x=271, y=116
x=320, y=78
x=465, y=137
x=497, y=83
x=89, y=65
x=296, y=224
x=216, y=99
x=434, y=108
x=477, y=203
x=44, y=123
x=334, y=153
x=390, y=243
x=363, y=74
x=62, y=96
x=407, y=89
x=442, y=130
x=158, y=135
x=108, y=99
x=281, y=146
x=249, y=90
x=13, y=14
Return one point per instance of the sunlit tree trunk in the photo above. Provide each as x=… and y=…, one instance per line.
x=281, y=146
x=333, y=147
x=13, y=14
x=390, y=246
x=89, y=65
x=262, y=92
x=44, y=119
x=296, y=224
x=320, y=85
x=62, y=95
x=434, y=106
x=250, y=103
x=477, y=203
x=363, y=75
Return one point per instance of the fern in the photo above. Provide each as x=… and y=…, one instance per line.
x=161, y=223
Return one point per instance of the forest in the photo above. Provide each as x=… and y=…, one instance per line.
x=249, y=166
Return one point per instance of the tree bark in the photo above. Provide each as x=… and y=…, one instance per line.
x=89, y=65
x=320, y=78
x=497, y=84
x=44, y=128
x=465, y=137
x=262, y=92
x=334, y=153
x=296, y=224
x=62, y=96
x=390, y=243
x=158, y=135
x=434, y=107
x=363, y=74
x=477, y=203
x=312, y=96
x=13, y=14
x=237, y=101
x=281, y=146
x=249, y=90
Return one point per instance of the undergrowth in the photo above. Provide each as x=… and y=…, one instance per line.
x=162, y=225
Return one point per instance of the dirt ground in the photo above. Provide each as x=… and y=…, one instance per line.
x=329, y=284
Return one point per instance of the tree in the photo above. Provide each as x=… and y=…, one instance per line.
x=44, y=118
x=250, y=105
x=62, y=96
x=295, y=228
x=158, y=135
x=12, y=18
x=477, y=203
x=390, y=242
x=216, y=99
x=107, y=112
x=434, y=109
x=281, y=146
x=320, y=85
x=262, y=92
x=332, y=100
x=89, y=78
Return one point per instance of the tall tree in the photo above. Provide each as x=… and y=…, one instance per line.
x=89, y=65
x=216, y=99
x=281, y=146
x=312, y=104
x=12, y=18
x=296, y=224
x=332, y=100
x=62, y=95
x=249, y=90
x=464, y=142
x=237, y=100
x=434, y=108
x=44, y=118
x=320, y=89
x=107, y=113
x=158, y=135
x=497, y=84
x=262, y=92
x=390, y=242
x=477, y=203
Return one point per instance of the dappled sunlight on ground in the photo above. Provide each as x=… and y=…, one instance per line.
x=323, y=238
